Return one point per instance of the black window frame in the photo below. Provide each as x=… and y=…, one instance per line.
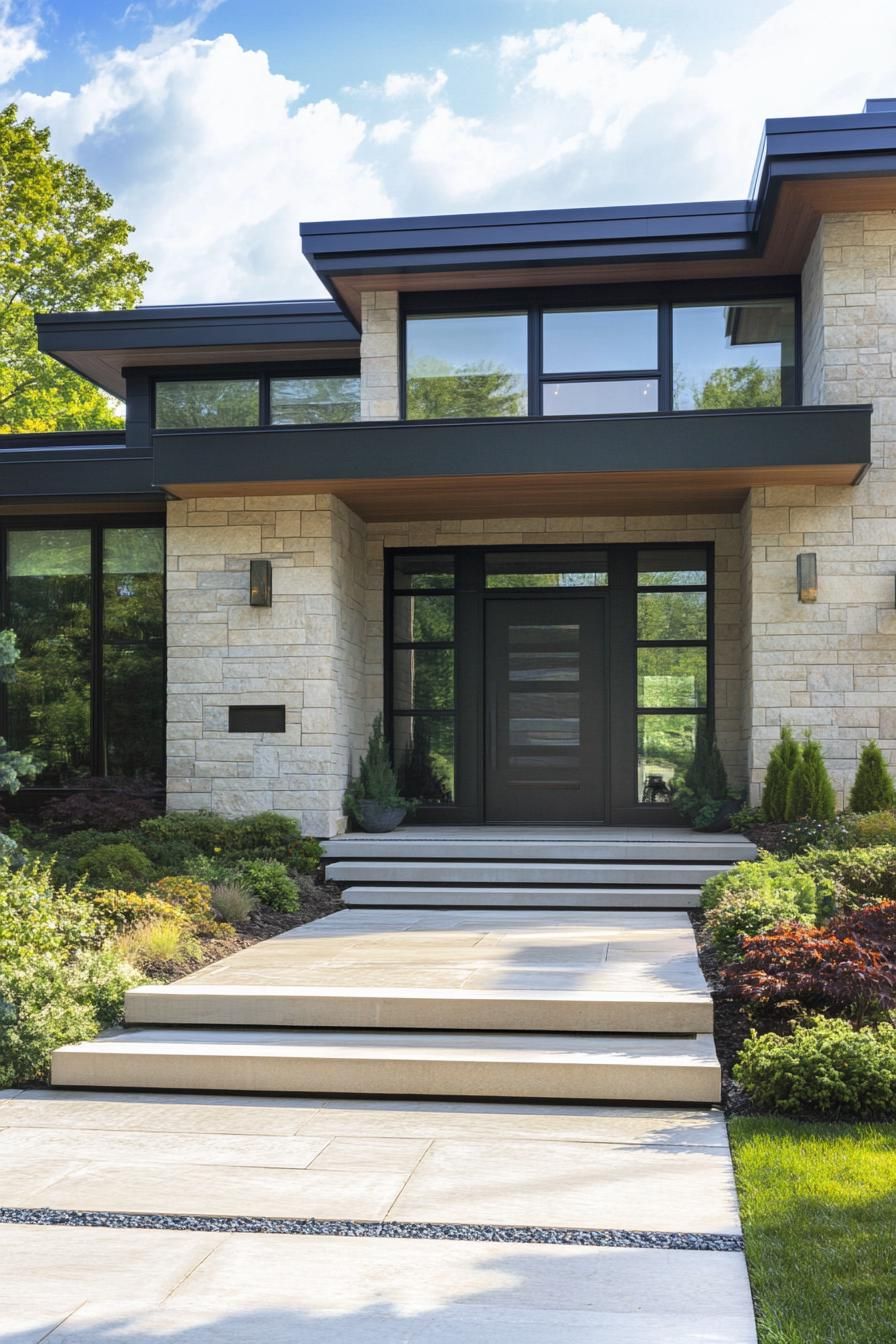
x=95, y=524
x=536, y=301
x=222, y=373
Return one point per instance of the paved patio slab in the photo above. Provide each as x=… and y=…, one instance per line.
x=93, y=1284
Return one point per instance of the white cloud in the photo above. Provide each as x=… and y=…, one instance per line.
x=387, y=132
x=215, y=159
x=406, y=85
x=19, y=44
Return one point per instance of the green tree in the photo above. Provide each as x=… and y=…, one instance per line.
x=810, y=792
x=783, y=761
x=873, y=790
x=741, y=386
x=15, y=766
x=438, y=391
x=59, y=250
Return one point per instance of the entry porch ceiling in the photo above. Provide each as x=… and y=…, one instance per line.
x=701, y=462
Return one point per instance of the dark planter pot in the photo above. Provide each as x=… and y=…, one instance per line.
x=379, y=817
x=722, y=820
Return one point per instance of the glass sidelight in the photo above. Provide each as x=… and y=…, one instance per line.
x=422, y=673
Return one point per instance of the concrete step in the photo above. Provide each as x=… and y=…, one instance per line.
x=472, y=873
x=715, y=850
x=448, y=1064
x=525, y=898
x=187, y=1003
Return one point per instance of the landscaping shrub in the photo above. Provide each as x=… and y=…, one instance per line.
x=270, y=883
x=203, y=832
x=868, y=829
x=157, y=943
x=873, y=789
x=818, y=968
x=769, y=877
x=270, y=835
x=115, y=865
x=221, y=840
x=825, y=1067
x=810, y=792
x=796, y=837
x=861, y=876
x=57, y=982
x=742, y=914
x=233, y=902
x=782, y=762
x=103, y=804
x=123, y=909
x=190, y=896
x=871, y=925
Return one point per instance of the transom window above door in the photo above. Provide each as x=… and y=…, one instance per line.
x=612, y=358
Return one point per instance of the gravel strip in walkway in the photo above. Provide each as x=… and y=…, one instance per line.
x=326, y=1227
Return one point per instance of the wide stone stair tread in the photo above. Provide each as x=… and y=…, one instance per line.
x=547, y=873
x=667, y=1010
x=598, y=1067
x=706, y=850
x=532, y=898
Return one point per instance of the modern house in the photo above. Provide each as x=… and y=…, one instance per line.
x=545, y=488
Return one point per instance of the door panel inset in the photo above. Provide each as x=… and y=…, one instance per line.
x=545, y=709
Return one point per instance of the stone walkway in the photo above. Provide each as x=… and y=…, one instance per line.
x=493, y=1170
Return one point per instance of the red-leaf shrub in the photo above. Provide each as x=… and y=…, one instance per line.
x=818, y=968
x=102, y=804
x=872, y=926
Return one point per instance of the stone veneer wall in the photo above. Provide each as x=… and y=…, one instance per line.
x=379, y=355
x=831, y=666
x=721, y=529
x=307, y=652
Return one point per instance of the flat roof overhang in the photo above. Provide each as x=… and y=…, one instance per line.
x=103, y=346
x=73, y=471
x=677, y=463
x=806, y=167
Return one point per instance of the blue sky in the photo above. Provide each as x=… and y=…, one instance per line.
x=218, y=127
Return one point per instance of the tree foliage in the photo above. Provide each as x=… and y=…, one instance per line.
x=60, y=249
x=873, y=789
x=781, y=765
x=744, y=386
x=810, y=792
x=15, y=766
x=436, y=391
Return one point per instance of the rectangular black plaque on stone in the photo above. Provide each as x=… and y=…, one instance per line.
x=257, y=719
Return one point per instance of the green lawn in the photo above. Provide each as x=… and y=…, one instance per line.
x=818, y=1204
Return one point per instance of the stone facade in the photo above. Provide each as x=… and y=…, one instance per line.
x=306, y=652
x=829, y=667
x=379, y=355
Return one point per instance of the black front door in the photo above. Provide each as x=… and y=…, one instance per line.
x=545, y=709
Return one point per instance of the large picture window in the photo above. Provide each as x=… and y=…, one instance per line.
x=87, y=605
x=540, y=357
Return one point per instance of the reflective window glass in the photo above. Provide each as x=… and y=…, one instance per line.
x=467, y=366
x=665, y=749
x=546, y=569
x=315, y=401
x=675, y=568
x=604, y=396
x=423, y=571
x=671, y=678
x=423, y=620
x=423, y=747
x=423, y=679
x=733, y=355
x=211, y=403
x=599, y=340
x=672, y=615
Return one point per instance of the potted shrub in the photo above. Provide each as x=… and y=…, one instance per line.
x=372, y=799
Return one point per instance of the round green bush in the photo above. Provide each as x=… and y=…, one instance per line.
x=861, y=876
x=116, y=865
x=269, y=882
x=742, y=914
x=825, y=1067
x=768, y=878
x=872, y=790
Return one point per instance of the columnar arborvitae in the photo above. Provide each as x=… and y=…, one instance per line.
x=782, y=763
x=873, y=789
x=810, y=792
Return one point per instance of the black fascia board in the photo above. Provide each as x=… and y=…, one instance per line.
x=862, y=144
x=318, y=321
x=384, y=450
x=83, y=465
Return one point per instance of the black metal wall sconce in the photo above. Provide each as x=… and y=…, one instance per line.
x=259, y=583
x=807, y=577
